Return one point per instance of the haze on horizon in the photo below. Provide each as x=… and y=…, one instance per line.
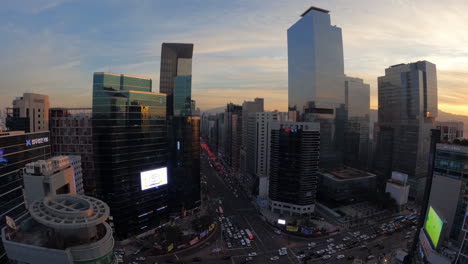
x=54, y=46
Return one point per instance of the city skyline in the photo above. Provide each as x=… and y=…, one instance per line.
x=52, y=47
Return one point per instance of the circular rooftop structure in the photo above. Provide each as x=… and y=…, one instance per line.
x=67, y=211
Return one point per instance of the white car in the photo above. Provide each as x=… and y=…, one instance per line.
x=326, y=257
x=278, y=232
x=252, y=254
x=330, y=240
x=340, y=256
x=311, y=244
x=274, y=258
x=301, y=256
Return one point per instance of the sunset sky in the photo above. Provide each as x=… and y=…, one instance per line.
x=54, y=46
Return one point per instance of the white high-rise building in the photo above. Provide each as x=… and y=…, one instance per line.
x=260, y=146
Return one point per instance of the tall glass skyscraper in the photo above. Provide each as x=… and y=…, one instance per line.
x=183, y=127
x=407, y=107
x=357, y=98
x=130, y=151
x=316, y=79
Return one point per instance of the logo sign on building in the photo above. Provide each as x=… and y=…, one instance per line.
x=10, y=222
x=426, y=246
x=32, y=142
x=281, y=221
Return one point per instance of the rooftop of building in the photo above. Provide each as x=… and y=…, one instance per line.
x=18, y=133
x=53, y=221
x=11, y=133
x=315, y=9
x=33, y=233
x=345, y=173
x=397, y=182
x=456, y=146
x=123, y=75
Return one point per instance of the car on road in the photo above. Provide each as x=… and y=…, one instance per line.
x=277, y=231
x=326, y=257
x=311, y=244
x=330, y=240
x=252, y=254
x=248, y=258
x=340, y=256
x=282, y=251
x=274, y=258
x=370, y=257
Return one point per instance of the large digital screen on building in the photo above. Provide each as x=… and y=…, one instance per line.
x=433, y=226
x=153, y=178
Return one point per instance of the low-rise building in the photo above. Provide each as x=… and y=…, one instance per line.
x=345, y=183
x=398, y=187
x=66, y=229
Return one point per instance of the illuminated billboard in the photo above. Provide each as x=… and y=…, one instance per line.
x=153, y=178
x=433, y=226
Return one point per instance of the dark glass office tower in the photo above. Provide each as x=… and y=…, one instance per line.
x=295, y=149
x=316, y=80
x=130, y=151
x=408, y=105
x=232, y=134
x=176, y=60
x=183, y=127
x=16, y=150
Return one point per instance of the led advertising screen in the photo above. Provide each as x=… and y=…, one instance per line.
x=433, y=226
x=281, y=221
x=153, y=178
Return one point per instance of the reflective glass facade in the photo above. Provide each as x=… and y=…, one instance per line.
x=16, y=150
x=129, y=137
x=316, y=79
x=408, y=104
x=183, y=95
